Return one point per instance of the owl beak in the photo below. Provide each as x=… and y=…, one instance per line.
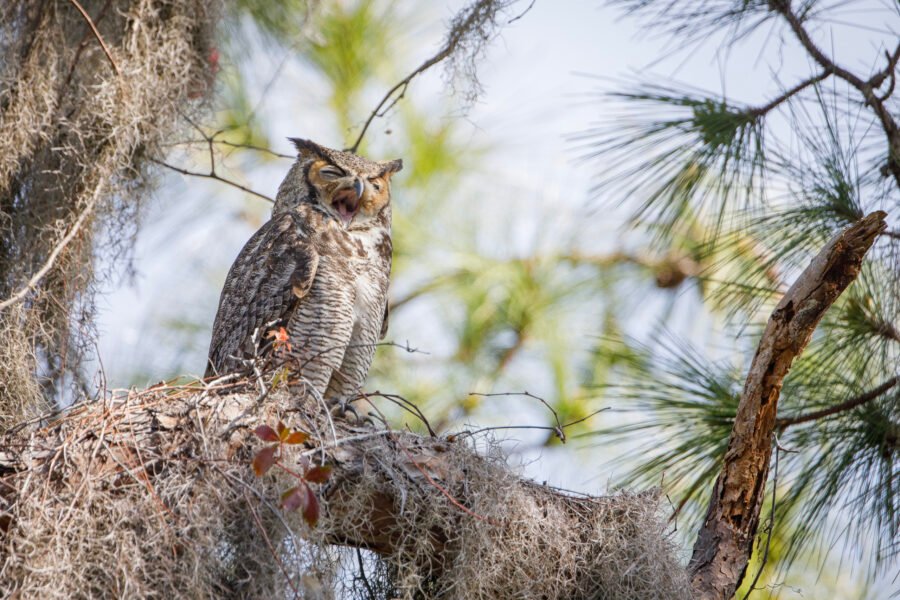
x=346, y=202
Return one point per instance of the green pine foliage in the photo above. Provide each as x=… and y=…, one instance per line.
x=758, y=205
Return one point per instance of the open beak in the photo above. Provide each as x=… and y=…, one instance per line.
x=347, y=200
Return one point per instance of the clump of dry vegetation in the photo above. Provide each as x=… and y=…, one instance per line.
x=85, y=100
x=150, y=494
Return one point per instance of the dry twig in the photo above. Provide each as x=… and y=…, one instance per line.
x=54, y=254
x=97, y=35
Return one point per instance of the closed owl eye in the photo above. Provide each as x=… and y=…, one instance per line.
x=331, y=172
x=376, y=183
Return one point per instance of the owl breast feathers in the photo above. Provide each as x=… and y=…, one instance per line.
x=309, y=289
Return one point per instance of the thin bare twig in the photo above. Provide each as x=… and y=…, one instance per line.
x=272, y=550
x=456, y=37
x=559, y=426
x=362, y=574
x=403, y=403
x=215, y=176
x=54, y=254
x=522, y=14
x=97, y=35
x=559, y=431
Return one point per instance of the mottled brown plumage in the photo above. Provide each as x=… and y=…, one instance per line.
x=319, y=269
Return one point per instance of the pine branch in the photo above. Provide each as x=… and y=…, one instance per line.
x=850, y=404
x=725, y=541
x=865, y=87
x=766, y=108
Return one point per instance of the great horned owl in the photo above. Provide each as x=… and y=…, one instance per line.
x=319, y=268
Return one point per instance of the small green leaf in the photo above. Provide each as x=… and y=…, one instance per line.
x=318, y=474
x=264, y=460
x=266, y=433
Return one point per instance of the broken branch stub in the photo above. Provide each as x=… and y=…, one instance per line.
x=725, y=541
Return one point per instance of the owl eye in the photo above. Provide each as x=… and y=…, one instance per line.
x=331, y=173
x=376, y=183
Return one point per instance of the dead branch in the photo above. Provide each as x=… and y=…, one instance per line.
x=472, y=28
x=725, y=541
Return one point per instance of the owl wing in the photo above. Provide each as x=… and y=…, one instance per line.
x=273, y=271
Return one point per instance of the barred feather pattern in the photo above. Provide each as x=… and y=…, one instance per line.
x=325, y=282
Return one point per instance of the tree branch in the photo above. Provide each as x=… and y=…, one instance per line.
x=865, y=87
x=762, y=110
x=213, y=175
x=850, y=404
x=388, y=101
x=430, y=505
x=725, y=540
x=475, y=19
x=97, y=35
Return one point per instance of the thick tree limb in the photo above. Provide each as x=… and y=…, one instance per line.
x=725, y=541
x=136, y=491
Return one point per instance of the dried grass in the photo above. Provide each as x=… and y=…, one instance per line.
x=143, y=497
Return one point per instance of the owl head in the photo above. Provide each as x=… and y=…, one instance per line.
x=352, y=189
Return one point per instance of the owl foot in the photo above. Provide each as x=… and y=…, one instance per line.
x=342, y=406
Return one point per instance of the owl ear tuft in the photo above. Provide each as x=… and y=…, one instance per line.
x=393, y=166
x=306, y=148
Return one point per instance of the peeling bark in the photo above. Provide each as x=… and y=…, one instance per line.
x=725, y=541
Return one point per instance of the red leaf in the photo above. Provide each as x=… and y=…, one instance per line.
x=296, y=437
x=266, y=433
x=318, y=474
x=264, y=460
x=293, y=499
x=283, y=431
x=311, y=510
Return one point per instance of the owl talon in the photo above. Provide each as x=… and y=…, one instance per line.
x=343, y=406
